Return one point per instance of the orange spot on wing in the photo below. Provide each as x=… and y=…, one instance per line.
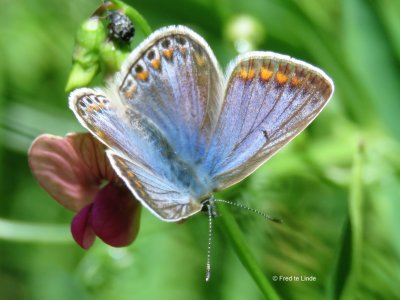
x=142, y=75
x=102, y=105
x=265, y=74
x=129, y=93
x=281, y=78
x=182, y=50
x=130, y=174
x=89, y=109
x=168, y=53
x=247, y=74
x=200, y=60
x=96, y=107
x=100, y=134
x=137, y=183
x=295, y=81
x=155, y=63
x=122, y=163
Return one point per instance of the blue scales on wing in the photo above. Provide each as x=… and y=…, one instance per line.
x=174, y=137
x=269, y=99
x=159, y=195
x=140, y=154
x=157, y=116
x=175, y=81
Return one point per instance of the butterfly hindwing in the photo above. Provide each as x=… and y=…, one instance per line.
x=166, y=200
x=269, y=99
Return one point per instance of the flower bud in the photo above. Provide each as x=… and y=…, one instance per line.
x=85, y=59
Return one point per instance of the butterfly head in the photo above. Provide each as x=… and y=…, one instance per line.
x=208, y=206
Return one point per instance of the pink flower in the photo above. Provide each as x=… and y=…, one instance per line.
x=75, y=171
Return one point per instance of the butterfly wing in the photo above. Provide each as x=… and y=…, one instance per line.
x=161, y=197
x=269, y=99
x=174, y=80
x=140, y=154
x=158, y=114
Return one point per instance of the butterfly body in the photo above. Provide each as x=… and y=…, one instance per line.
x=177, y=130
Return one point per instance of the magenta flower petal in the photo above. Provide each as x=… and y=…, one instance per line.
x=81, y=229
x=115, y=215
x=70, y=169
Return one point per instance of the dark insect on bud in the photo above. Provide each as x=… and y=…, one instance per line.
x=120, y=27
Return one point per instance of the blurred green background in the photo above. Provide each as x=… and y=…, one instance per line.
x=337, y=186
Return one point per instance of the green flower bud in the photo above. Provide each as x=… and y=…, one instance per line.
x=94, y=47
x=81, y=76
x=85, y=59
x=112, y=55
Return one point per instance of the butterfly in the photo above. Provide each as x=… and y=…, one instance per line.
x=177, y=130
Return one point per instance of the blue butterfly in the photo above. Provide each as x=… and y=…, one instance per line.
x=177, y=130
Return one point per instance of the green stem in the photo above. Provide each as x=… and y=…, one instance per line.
x=356, y=196
x=239, y=244
x=135, y=16
x=356, y=222
x=32, y=232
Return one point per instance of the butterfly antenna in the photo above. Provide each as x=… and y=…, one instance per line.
x=264, y=215
x=208, y=266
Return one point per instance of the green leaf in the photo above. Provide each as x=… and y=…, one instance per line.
x=33, y=232
x=371, y=61
x=389, y=12
x=238, y=242
x=344, y=262
x=348, y=285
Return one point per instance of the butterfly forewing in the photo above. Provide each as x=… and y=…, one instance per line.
x=174, y=80
x=269, y=99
